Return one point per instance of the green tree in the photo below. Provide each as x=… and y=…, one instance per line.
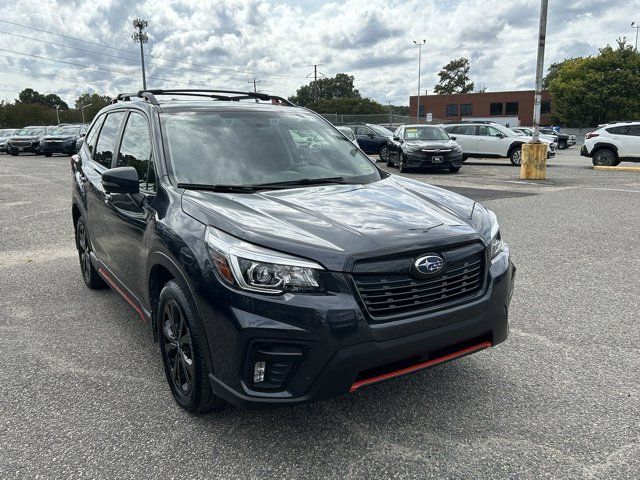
x=353, y=106
x=95, y=101
x=51, y=100
x=593, y=90
x=340, y=86
x=29, y=95
x=454, y=78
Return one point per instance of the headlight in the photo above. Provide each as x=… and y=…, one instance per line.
x=457, y=148
x=413, y=149
x=497, y=246
x=258, y=269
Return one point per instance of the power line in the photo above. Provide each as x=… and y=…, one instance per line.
x=134, y=53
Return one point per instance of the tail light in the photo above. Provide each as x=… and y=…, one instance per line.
x=591, y=135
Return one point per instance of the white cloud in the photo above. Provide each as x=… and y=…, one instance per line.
x=276, y=40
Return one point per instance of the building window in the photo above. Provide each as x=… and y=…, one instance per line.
x=466, y=109
x=545, y=108
x=421, y=111
x=511, y=108
x=452, y=110
x=495, y=109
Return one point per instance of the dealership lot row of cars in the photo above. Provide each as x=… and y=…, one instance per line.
x=447, y=146
x=44, y=140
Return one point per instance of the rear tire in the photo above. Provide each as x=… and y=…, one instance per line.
x=516, y=157
x=454, y=169
x=562, y=145
x=182, y=352
x=47, y=154
x=605, y=157
x=13, y=153
x=89, y=274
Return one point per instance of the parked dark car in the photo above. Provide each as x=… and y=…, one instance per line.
x=271, y=271
x=424, y=146
x=62, y=140
x=563, y=141
x=26, y=140
x=5, y=135
x=373, y=139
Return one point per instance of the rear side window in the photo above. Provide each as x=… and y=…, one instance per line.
x=618, y=130
x=135, y=150
x=107, y=139
x=92, y=136
x=634, y=130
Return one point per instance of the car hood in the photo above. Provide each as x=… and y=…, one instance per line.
x=530, y=139
x=331, y=224
x=442, y=144
x=26, y=137
x=59, y=137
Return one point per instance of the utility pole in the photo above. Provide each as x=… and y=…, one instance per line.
x=315, y=76
x=420, y=44
x=390, y=114
x=58, y=113
x=82, y=109
x=637, y=27
x=533, y=155
x=255, y=87
x=141, y=38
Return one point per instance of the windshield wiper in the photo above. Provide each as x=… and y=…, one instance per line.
x=218, y=188
x=301, y=181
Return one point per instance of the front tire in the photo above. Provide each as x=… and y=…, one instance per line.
x=182, y=351
x=605, y=157
x=562, y=145
x=454, y=169
x=402, y=164
x=48, y=154
x=516, y=157
x=383, y=153
x=89, y=274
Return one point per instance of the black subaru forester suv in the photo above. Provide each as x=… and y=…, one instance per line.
x=274, y=262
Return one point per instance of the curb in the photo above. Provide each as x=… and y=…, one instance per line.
x=620, y=169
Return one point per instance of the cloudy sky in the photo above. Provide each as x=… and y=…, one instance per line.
x=225, y=43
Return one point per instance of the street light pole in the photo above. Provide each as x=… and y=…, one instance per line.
x=141, y=38
x=419, y=73
x=82, y=109
x=58, y=113
x=637, y=27
x=542, y=37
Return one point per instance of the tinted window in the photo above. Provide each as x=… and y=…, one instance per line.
x=466, y=109
x=618, y=130
x=485, y=130
x=249, y=147
x=452, y=110
x=425, y=133
x=92, y=136
x=634, y=130
x=511, y=108
x=135, y=150
x=545, y=108
x=107, y=139
x=495, y=109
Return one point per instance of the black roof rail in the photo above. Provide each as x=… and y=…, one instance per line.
x=150, y=95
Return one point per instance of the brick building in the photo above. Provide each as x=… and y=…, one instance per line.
x=488, y=105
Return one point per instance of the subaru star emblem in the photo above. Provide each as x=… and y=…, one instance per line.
x=429, y=264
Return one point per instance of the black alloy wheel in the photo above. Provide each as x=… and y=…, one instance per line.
x=178, y=349
x=89, y=273
x=384, y=153
x=605, y=157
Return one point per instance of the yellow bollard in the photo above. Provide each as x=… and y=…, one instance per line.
x=534, y=161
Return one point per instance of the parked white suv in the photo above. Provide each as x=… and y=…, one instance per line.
x=613, y=143
x=488, y=139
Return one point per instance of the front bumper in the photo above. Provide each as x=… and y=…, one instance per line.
x=58, y=147
x=550, y=154
x=433, y=160
x=30, y=147
x=341, y=349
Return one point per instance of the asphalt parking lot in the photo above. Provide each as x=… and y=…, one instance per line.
x=83, y=394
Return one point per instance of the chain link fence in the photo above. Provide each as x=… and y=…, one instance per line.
x=384, y=119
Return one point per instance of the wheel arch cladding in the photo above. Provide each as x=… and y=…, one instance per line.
x=600, y=146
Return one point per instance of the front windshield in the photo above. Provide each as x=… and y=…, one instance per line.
x=506, y=131
x=31, y=131
x=519, y=132
x=425, y=133
x=383, y=132
x=6, y=132
x=65, y=131
x=254, y=147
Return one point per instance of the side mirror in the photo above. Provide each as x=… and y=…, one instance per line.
x=79, y=144
x=500, y=135
x=121, y=180
x=82, y=135
x=396, y=138
x=452, y=138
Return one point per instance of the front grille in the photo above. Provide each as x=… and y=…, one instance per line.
x=388, y=295
x=19, y=143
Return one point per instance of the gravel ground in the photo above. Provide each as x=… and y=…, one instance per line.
x=83, y=395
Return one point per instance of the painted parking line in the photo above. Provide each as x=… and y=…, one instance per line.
x=621, y=169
